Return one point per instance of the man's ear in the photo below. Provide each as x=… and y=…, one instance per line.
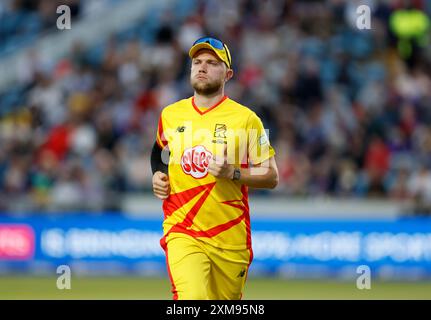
x=229, y=75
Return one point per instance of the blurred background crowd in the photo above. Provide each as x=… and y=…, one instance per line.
x=348, y=110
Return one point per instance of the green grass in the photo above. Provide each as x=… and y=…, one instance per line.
x=23, y=287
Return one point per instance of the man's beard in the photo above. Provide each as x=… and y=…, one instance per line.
x=206, y=88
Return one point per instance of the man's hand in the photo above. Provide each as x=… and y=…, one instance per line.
x=220, y=168
x=161, y=186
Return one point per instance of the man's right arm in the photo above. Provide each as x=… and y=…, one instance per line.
x=157, y=161
x=161, y=186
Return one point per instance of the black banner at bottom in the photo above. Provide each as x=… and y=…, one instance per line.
x=251, y=309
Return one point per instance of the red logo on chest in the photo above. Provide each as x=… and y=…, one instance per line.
x=195, y=161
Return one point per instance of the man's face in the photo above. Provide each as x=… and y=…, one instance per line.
x=208, y=73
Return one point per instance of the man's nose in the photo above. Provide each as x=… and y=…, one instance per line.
x=203, y=68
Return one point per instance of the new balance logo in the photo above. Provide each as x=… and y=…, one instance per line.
x=241, y=273
x=181, y=129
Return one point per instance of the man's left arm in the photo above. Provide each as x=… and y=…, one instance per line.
x=263, y=175
x=261, y=171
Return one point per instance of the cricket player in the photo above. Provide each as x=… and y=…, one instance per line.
x=209, y=149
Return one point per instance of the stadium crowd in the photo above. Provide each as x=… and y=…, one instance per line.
x=23, y=21
x=347, y=110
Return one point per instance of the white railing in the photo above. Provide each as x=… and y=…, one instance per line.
x=288, y=207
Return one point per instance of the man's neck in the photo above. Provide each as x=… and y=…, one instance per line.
x=208, y=101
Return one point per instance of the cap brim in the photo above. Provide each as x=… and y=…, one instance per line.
x=205, y=45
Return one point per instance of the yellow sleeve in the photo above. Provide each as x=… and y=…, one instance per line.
x=160, y=137
x=259, y=147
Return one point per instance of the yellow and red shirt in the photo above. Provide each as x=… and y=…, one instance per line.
x=212, y=209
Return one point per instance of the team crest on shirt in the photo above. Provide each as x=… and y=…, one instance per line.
x=195, y=161
x=220, y=131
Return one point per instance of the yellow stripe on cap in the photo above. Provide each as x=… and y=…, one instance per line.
x=221, y=53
